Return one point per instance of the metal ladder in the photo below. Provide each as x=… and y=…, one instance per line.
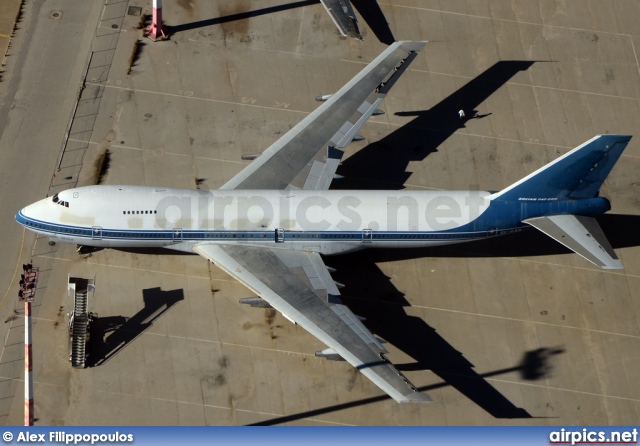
x=79, y=319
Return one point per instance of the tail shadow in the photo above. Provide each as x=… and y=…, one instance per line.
x=120, y=331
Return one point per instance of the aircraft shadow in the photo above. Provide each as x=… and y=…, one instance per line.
x=383, y=164
x=369, y=293
x=534, y=365
x=240, y=16
x=371, y=13
x=109, y=335
x=619, y=229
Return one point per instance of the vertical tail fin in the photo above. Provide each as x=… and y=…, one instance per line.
x=575, y=175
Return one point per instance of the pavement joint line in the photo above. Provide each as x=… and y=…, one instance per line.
x=300, y=111
x=633, y=47
x=197, y=98
x=520, y=84
x=506, y=318
x=504, y=20
x=4, y=344
x=199, y=404
x=119, y=146
x=134, y=269
x=503, y=381
x=232, y=344
x=602, y=395
x=16, y=270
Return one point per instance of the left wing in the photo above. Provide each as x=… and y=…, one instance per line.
x=298, y=285
x=307, y=156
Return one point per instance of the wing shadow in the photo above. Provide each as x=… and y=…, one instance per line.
x=120, y=331
x=383, y=164
x=371, y=13
x=374, y=297
x=535, y=364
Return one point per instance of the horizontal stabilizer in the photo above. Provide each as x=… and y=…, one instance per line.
x=582, y=235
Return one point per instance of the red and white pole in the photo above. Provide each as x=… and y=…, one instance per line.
x=28, y=366
x=156, y=30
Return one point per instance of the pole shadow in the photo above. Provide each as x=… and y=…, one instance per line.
x=111, y=334
x=383, y=164
x=240, y=16
x=539, y=360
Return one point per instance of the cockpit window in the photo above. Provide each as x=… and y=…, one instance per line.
x=56, y=199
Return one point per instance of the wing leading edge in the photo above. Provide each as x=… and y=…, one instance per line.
x=308, y=155
x=297, y=284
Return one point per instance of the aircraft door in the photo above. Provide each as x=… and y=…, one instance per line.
x=96, y=233
x=279, y=235
x=367, y=236
x=177, y=234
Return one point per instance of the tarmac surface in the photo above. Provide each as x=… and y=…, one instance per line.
x=509, y=331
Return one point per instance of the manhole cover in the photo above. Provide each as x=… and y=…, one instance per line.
x=55, y=14
x=134, y=10
x=148, y=115
x=114, y=26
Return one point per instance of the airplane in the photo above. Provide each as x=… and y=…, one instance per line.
x=341, y=12
x=268, y=226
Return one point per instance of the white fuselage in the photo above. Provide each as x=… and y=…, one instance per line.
x=328, y=222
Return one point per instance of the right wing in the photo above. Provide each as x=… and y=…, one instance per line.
x=343, y=16
x=307, y=156
x=580, y=234
x=298, y=285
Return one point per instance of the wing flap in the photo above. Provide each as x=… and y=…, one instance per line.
x=580, y=234
x=274, y=275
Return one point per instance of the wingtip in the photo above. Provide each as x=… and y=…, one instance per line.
x=416, y=397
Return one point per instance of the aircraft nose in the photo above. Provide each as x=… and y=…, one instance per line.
x=26, y=214
x=21, y=216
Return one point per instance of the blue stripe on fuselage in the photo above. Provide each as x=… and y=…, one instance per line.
x=499, y=218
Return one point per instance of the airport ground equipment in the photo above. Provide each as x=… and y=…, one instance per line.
x=80, y=318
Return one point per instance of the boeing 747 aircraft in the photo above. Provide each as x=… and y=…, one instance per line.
x=269, y=224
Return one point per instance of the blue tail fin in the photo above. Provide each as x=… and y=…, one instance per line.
x=575, y=175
